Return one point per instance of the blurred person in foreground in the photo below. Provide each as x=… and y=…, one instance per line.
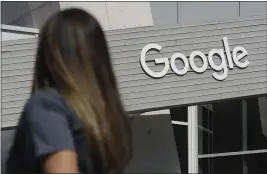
x=74, y=121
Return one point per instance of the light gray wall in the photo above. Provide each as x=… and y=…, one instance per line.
x=116, y=15
x=141, y=92
x=164, y=13
x=208, y=11
x=253, y=8
x=189, y=12
x=15, y=36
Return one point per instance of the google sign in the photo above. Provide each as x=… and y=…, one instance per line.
x=229, y=59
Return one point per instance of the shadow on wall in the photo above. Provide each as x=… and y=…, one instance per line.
x=154, y=145
x=6, y=141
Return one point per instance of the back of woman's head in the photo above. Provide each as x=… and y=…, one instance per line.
x=73, y=57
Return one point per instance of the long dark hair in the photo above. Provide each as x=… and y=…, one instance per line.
x=73, y=57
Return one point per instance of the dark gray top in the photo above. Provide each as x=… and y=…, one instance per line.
x=47, y=125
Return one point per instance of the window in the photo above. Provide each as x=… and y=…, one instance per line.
x=231, y=137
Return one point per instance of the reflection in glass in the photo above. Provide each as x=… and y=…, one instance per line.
x=232, y=126
x=181, y=134
x=255, y=127
x=239, y=164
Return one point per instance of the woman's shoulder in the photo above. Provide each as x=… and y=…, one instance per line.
x=47, y=97
x=47, y=122
x=50, y=95
x=44, y=103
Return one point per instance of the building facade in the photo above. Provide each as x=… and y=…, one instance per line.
x=197, y=105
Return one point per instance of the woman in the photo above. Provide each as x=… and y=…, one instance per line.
x=74, y=120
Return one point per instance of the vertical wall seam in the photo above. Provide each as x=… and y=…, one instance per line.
x=109, y=28
x=239, y=9
x=177, y=16
x=180, y=12
x=153, y=23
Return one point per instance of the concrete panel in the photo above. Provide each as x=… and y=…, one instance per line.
x=98, y=9
x=35, y=4
x=164, y=13
x=43, y=12
x=11, y=11
x=129, y=14
x=24, y=21
x=208, y=11
x=116, y=34
x=253, y=8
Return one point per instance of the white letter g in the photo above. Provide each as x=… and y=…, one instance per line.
x=157, y=61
